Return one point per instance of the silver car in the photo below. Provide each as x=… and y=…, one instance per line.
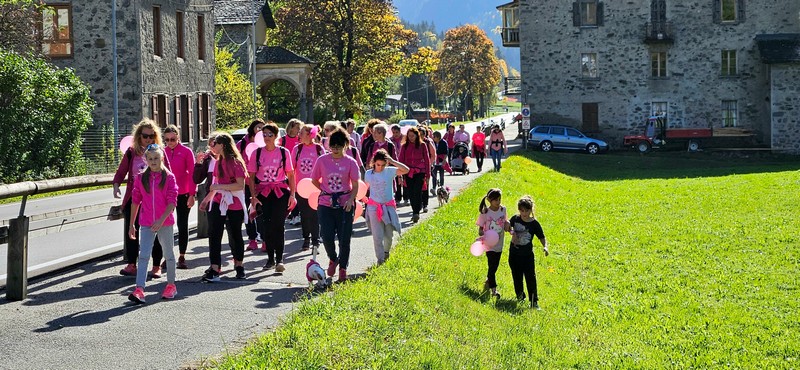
x=549, y=137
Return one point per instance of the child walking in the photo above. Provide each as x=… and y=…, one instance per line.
x=155, y=191
x=492, y=217
x=520, y=254
x=381, y=210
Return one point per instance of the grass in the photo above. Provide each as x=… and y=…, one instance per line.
x=652, y=265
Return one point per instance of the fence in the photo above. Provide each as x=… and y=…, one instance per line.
x=100, y=150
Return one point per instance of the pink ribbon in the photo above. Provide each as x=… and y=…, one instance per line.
x=269, y=187
x=379, y=207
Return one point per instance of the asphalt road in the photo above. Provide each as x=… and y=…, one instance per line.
x=81, y=318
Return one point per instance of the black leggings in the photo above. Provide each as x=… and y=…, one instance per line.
x=493, y=260
x=250, y=227
x=523, y=266
x=309, y=222
x=272, y=213
x=232, y=221
x=479, y=156
x=131, y=246
x=182, y=222
x=414, y=191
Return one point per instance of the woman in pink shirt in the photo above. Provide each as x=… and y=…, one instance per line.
x=155, y=192
x=252, y=231
x=289, y=141
x=225, y=204
x=336, y=175
x=271, y=181
x=304, y=155
x=146, y=132
x=450, y=138
x=182, y=160
x=497, y=146
x=414, y=154
x=479, y=147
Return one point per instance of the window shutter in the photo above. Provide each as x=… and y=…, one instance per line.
x=600, y=11
x=154, y=110
x=178, y=121
x=717, y=10
x=576, y=14
x=191, y=117
x=208, y=114
x=740, y=11
x=166, y=119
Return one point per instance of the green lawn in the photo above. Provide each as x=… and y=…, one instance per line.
x=658, y=261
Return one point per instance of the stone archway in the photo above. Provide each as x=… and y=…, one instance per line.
x=281, y=100
x=274, y=64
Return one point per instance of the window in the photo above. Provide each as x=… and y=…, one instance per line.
x=57, y=31
x=658, y=64
x=157, y=47
x=183, y=117
x=573, y=132
x=204, y=114
x=201, y=37
x=729, y=113
x=728, y=10
x=557, y=131
x=587, y=13
x=542, y=130
x=658, y=108
x=728, y=63
x=589, y=65
x=160, y=109
x=179, y=28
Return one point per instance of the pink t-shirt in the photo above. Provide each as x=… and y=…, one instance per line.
x=270, y=170
x=494, y=220
x=233, y=170
x=290, y=142
x=335, y=176
x=304, y=163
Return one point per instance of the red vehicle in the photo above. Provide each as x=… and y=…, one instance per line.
x=657, y=135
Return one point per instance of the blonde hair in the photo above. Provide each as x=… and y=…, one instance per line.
x=137, y=134
x=157, y=150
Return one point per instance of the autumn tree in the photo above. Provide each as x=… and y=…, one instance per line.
x=234, y=91
x=422, y=62
x=356, y=43
x=467, y=65
x=19, y=28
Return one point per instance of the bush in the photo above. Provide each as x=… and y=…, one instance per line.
x=395, y=118
x=43, y=112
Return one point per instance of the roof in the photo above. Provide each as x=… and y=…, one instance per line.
x=237, y=11
x=279, y=55
x=397, y=97
x=779, y=47
x=512, y=4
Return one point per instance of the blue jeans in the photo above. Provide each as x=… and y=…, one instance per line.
x=335, y=222
x=147, y=238
x=496, y=156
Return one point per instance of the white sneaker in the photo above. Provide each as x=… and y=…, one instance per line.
x=295, y=220
x=280, y=267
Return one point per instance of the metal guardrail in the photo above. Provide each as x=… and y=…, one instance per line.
x=18, y=228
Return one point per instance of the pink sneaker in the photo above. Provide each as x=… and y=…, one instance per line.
x=169, y=292
x=264, y=247
x=155, y=273
x=137, y=296
x=332, y=268
x=342, y=275
x=253, y=245
x=129, y=270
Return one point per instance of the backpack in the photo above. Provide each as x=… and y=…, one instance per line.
x=300, y=149
x=258, y=162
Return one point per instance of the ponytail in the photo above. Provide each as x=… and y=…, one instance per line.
x=491, y=195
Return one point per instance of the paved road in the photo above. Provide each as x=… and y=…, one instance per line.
x=81, y=318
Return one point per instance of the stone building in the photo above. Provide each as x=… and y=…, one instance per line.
x=605, y=66
x=243, y=24
x=165, y=59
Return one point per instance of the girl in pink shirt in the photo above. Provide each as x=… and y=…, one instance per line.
x=414, y=154
x=182, y=160
x=252, y=231
x=225, y=204
x=336, y=175
x=155, y=192
x=304, y=155
x=289, y=141
x=272, y=185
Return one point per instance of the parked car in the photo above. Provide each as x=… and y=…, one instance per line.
x=549, y=137
x=408, y=122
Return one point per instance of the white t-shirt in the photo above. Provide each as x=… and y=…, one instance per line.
x=494, y=220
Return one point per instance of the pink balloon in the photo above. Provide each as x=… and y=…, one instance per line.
x=359, y=211
x=362, y=189
x=125, y=143
x=476, y=248
x=313, y=200
x=468, y=160
x=490, y=238
x=305, y=187
x=259, y=140
x=250, y=149
x=404, y=130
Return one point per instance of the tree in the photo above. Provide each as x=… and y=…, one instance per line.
x=19, y=25
x=356, y=43
x=43, y=112
x=467, y=65
x=234, y=91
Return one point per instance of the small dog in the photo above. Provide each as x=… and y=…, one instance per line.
x=314, y=271
x=443, y=195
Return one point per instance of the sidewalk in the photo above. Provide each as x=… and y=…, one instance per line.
x=81, y=318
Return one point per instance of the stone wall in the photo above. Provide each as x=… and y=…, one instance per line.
x=786, y=107
x=238, y=35
x=551, y=48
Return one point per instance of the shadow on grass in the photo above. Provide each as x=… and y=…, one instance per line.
x=483, y=296
x=627, y=165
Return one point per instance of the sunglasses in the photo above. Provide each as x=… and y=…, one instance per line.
x=269, y=134
x=170, y=139
x=148, y=136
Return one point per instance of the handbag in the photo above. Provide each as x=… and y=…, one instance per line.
x=114, y=213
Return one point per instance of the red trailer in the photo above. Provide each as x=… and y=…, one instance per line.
x=657, y=136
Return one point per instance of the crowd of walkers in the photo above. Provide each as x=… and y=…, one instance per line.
x=254, y=182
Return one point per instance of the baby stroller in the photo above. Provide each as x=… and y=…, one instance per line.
x=460, y=153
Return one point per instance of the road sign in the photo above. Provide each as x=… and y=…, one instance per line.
x=526, y=111
x=526, y=123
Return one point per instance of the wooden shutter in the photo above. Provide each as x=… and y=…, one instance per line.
x=590, y=117
x=154, y=109
x=207, y=127
x=576, y=14
x=600, y=14
x=166, y=118
x=200, y=116
x=717, y=11
x=178, y=121
x=190, y=118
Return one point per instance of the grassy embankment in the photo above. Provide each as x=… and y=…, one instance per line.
x=660, y=261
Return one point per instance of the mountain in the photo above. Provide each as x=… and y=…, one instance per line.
x=447, y=14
